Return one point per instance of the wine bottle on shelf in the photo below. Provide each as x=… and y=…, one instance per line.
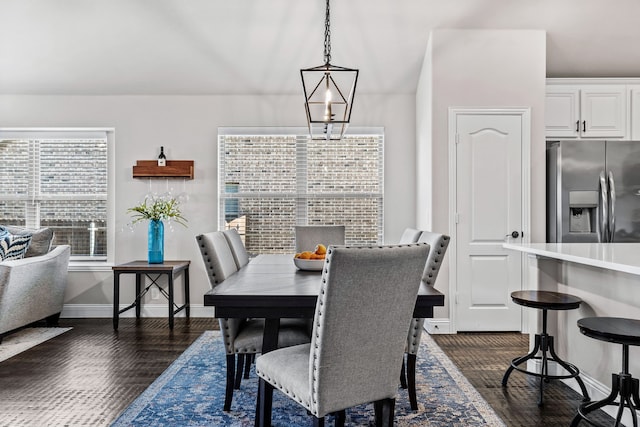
x=162, y=159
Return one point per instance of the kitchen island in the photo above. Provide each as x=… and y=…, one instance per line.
x=606, y=276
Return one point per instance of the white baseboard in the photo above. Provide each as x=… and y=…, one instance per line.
x=80, y=311
x=438, y=326
x=596, y=389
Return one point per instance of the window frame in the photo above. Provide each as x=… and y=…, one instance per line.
x=302, y=198
x=81, y=263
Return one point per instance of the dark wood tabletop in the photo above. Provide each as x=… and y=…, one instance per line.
x=271, y=286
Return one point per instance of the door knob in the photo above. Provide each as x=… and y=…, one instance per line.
x=514, y=234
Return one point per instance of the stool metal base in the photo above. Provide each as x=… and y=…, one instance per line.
x=544, y=344
x=623, y=385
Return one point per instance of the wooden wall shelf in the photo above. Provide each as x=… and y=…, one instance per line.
x=174, y=169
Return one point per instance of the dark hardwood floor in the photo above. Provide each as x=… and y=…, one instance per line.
x=87, y=376
x=483, y=359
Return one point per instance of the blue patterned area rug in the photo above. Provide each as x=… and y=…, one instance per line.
x=191, y=393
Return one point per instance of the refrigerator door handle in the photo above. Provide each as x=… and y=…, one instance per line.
x=603, y=223
x=612, y=207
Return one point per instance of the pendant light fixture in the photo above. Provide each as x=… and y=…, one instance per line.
x=328, y=92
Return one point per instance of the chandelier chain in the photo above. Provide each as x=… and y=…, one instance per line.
x=327, y=37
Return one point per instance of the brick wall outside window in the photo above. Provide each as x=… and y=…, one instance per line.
x=270, y=183
x=58, y=183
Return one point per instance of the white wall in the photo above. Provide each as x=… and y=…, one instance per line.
x=476, y=68
x=187, y=127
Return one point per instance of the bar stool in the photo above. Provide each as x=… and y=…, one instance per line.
x=619, y=331
x=545, y=300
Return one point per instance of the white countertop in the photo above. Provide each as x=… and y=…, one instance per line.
x=624, y=257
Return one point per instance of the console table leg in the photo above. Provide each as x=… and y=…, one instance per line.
x=138, y=291
x=170, y=276
x=186, y=292
x=116, y=299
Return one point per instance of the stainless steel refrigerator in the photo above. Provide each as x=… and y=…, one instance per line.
x=593, y=191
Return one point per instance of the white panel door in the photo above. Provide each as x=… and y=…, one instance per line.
x=488, y=211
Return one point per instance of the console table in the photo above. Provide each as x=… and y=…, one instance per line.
x=143, y=269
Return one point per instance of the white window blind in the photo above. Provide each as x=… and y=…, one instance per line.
x=57, y=180
x=268, y=183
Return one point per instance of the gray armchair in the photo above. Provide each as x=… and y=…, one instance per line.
x=308, y=236
x=438, y=243
x=345, y=366
x=242, y=337
x=32, y=289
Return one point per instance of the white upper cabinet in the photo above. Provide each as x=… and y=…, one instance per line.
x=586, y=111
x=562, y=112
x=634, y=111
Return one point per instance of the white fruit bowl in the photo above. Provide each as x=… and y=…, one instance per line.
x=309, y=264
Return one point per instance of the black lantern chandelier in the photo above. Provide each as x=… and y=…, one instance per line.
x=328, y=92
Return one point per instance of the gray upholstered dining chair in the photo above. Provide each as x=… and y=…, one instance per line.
x=308, y=236
x=240, y=254
x=242, y=337
x=410, y=235
x=438, y=243
x=344, y=366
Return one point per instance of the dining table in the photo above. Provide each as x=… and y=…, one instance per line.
x=273, y=288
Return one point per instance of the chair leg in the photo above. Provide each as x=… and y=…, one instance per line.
x=411, y=380
x=340, y=418
x=318, y=422
x=266, y=399
x=403, y=375
x=231, y=368
x=239, y=366
x=247, y=364
x=384, y=410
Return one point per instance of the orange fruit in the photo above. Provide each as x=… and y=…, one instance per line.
x=321, y=249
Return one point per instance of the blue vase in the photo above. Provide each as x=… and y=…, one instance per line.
x=156, y=242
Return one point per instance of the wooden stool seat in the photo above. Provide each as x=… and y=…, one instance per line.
x=611, y=329
x=620, y=331
x=545, y=300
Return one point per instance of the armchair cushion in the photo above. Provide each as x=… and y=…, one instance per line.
x=40, y=242
x=13, y=246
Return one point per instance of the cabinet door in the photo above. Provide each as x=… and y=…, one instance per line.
x=603, y=111
x=634, y=114
x=562, y=112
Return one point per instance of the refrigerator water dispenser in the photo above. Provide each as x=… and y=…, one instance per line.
x=583, y=207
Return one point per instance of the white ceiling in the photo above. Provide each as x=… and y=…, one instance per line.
x=259, y=46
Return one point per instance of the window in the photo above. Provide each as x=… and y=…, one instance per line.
x=57, y=179
x=269, y=182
